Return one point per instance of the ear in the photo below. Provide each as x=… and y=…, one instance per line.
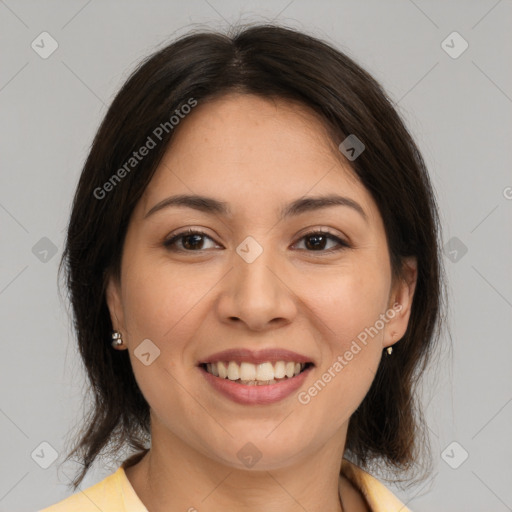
x=114, y=303
x=400, y=300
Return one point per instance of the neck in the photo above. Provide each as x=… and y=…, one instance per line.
x=175, y=476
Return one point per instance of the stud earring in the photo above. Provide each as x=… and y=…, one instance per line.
x=389, y=350
x=117, y=341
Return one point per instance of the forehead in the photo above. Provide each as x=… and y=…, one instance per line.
x=247, y=148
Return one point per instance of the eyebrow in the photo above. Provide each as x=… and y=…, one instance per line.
x=297, y=207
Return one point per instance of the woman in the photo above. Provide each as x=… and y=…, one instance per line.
x=253, y=263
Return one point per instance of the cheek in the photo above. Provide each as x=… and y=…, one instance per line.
x=159, y=305
x=347, y=308
x=348, y=301
x=158, y=299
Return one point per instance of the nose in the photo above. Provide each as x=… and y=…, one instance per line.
x=257, y=294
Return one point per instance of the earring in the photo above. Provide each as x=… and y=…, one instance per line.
x=389, y=350
x=117, y=341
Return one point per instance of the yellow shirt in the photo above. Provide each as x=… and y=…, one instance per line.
x=116, y=494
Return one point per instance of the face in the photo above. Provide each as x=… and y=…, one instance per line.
x=256, y=279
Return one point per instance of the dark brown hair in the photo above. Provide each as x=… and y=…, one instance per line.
x=273, y=62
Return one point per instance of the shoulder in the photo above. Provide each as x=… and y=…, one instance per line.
x=378, y=497
x=105, y=495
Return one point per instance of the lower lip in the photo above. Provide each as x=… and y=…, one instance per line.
x=256, y=395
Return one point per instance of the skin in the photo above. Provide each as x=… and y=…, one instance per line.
x=257, y=155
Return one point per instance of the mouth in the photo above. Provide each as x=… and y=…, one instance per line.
x=256, y=377
x=260, y=374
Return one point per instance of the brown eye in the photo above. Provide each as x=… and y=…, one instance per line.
x=316, y=241
x=189, y=240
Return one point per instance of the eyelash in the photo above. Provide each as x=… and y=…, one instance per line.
x=189, y=232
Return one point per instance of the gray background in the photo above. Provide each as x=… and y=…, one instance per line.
x=459, y=110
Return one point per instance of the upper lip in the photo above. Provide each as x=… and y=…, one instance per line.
x=256, y=356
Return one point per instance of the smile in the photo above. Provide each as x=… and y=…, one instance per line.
x=251, y=374
x=263, y=383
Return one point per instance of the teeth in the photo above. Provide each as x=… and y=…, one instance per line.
x=233, y=371
x=212, y=369
x=252, y=374
x=247, y=371
x=279, y=370
x=264, y=371
x=222, y=369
